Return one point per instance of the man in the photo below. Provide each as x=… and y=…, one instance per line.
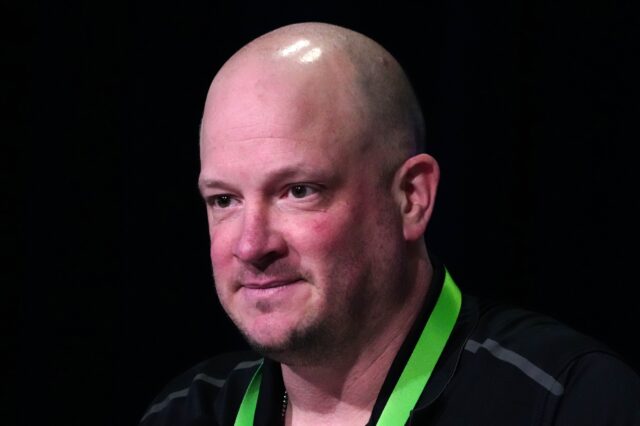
x=318, y=197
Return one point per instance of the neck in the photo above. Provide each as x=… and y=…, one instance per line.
x=344, y=389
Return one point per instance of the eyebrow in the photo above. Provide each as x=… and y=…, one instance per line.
x=212, y=183
x=207, y=183
x=279, y=174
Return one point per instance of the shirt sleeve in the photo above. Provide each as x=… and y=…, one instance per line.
x=599, y=390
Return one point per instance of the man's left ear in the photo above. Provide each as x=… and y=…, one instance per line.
x=415, y=186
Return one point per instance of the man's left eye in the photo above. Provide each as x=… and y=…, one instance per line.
x=301, y=191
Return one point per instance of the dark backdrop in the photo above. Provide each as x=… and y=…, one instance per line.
x=531, y=112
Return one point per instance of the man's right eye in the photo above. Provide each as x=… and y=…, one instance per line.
x=221, y=201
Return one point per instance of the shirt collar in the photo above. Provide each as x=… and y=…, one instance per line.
x=448, y=362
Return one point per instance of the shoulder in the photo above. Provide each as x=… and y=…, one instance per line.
x=508, y=330
x=190, y=397
x=563, y=376
x=598, y=389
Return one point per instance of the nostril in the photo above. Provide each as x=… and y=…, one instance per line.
x=263, y=263
x=260, y=252
x=261, y=256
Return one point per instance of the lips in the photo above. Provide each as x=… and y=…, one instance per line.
x=272, y=283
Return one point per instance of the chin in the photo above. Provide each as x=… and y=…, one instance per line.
x=270, y=346
x=296, y=346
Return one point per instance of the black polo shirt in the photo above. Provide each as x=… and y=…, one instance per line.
x=501, y=366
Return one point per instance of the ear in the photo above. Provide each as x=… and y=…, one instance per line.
x=415, y=185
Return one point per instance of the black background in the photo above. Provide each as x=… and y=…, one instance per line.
x=531, y=110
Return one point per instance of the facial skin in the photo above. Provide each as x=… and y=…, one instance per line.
x=308, y=239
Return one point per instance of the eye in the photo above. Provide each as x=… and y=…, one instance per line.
x=221, y=201
x=301, y=191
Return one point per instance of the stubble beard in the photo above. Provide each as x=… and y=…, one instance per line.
x=315, y=339
x=332, y=337
x=305, y=345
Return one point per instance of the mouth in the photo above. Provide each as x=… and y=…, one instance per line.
x=269, y=284
x=267, y=294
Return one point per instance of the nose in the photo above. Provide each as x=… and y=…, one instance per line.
x=258, y=243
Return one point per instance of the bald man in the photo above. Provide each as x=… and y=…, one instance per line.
x=318, y=196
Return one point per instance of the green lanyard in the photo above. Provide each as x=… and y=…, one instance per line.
x=416, y=373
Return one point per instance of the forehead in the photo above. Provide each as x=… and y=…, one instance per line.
x=255, y=100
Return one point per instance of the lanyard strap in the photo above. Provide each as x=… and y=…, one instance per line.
x=247, y=410
x=416, y=372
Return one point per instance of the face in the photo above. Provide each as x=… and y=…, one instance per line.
x=304, y=235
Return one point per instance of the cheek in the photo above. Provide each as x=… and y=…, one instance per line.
x=327, y=237
x=319, y=232
x=220, y=249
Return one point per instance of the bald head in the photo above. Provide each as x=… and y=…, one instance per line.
x=335, y=68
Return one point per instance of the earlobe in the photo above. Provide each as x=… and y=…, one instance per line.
x=416, y=186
